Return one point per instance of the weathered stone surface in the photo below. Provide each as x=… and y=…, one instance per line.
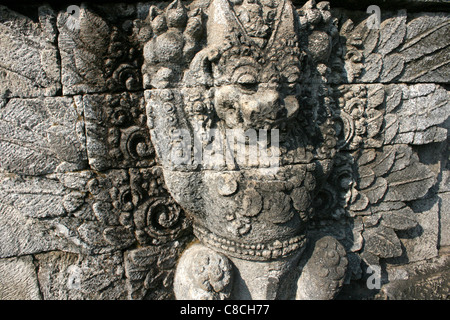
x=329, y=259
x=65, y=276
x=425, y=49
x=378, y=115
x=248, y=46
x=34, y=197
x=89, y=212
x=95, y=55
x=116, y=132
x=425, y=280
x=102, y=184
x=444, y=186
x=421, y=5
x=421, y=243
x=383, y=242
x=444, y=220
x=18, y=280
x=23, y=236
x=53, y=274
x=409, y=48
x=42, y=135
x=28, y=54
x=150, y=270
x=420, y=116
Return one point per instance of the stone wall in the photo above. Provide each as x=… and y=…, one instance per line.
x=85, y=212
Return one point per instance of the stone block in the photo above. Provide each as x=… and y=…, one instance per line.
x=424, y=280
x=421, y=243
x=65, y=276
x=406, y=48
x=95, y=55
x=18, y=279
x=444, y=219
x=28, y=54
x=91, y=209
x=22, y=236
x=42, y=135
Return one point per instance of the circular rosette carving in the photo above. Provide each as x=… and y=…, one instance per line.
x=252, y=203
x=161, y=220
x=277, y=208
x=301, y=200
x=129, y=76
x=136, y=143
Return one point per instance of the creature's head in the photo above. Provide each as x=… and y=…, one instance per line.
x=253, y=61
x=256, y=99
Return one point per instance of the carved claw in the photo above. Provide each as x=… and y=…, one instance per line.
x=203, y=274
x=323, y=275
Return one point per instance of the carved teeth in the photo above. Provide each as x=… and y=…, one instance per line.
x=267, y=254
x=277, y=244
x=276, y=253
x=273, y=250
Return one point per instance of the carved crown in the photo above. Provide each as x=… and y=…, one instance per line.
x=255, y=41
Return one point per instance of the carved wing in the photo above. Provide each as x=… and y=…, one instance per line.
x=407, y=48
x=29, y=66
x=96, y=56
x=387, y=132
x=78, y=173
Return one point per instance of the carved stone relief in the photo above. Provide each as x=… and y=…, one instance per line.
x=122, y=135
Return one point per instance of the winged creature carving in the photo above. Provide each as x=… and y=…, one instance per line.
x=96, y=171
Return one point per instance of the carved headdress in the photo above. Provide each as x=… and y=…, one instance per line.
x=250, y=42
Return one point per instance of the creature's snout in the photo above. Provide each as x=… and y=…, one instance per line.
x=268, y=107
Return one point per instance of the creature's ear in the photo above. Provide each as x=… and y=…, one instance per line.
x=157, y=20
x=200, y=70
x=152, y=13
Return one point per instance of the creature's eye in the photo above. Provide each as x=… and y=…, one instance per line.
x=246, y=79
x=245, y=74
x=248, y=82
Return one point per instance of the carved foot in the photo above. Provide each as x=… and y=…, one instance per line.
x=203, y=274
x=323, y=275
